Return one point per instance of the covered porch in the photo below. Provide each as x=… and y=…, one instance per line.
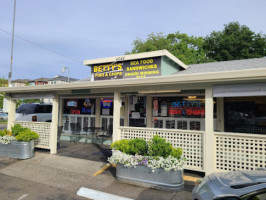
x=205, y=144
x=207, y=114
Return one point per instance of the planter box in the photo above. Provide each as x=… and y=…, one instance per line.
x=15, y=149
x=143, y=176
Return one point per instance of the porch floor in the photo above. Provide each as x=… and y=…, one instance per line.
x=88, y=151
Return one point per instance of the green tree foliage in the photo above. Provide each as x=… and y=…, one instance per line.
x=188, y=49
x=3, y=83
x=235, y=42
x=22, y=101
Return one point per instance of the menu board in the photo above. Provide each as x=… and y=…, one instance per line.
x=140, y=68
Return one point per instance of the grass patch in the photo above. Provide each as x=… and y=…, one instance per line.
x=3, y=122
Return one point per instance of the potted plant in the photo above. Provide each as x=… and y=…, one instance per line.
x=153, y=164
x=17, y=143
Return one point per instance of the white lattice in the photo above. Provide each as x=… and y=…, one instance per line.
x=239, y=152
x=44, y=131
x=190, y=141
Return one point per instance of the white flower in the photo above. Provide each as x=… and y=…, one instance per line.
x=169, y=163
x=6, y=139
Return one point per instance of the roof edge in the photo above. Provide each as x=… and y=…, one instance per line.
x=134, y=57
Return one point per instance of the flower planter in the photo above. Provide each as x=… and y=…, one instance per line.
x=15, y=149
x=143, y=176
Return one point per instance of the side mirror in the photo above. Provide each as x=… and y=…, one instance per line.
x=226, y=197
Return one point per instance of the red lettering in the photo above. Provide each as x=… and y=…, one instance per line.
x=75, y=112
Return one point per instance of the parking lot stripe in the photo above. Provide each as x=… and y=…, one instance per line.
x=98, y=195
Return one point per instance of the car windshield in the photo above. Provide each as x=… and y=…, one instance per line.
x=27, y=108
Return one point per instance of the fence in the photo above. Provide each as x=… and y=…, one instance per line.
x=235, y=151
x=190, y=141
x=44, y=131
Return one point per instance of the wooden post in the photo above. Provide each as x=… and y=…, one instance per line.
x=126, y=111
x=54, y=125
x=209, y=159
x=149, y=111
x=220, y=114
x=98, y=113
x=116, y=116
x=11, y=112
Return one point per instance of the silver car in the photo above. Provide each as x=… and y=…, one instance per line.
x=237, y=185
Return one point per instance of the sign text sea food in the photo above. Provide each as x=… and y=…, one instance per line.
x=128, y=69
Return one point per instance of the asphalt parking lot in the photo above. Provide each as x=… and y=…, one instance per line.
x=60, y=176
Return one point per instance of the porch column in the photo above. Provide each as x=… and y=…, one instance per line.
x=61, y=111
x=11, y=112
x=54, y=125
x=98, y=113
x=209, y=160
x=126, y=111
x=149, y=111
x=220, y=114
x=116, y=116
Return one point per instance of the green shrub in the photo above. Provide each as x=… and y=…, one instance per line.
x=121, y=145
x=132, y=147
x=138, y=146
x=5, y=132
x=27, y=135
x=177, y=153
x=159, y=147
x=16, y=129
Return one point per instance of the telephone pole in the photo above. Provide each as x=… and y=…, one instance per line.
x=10, y=72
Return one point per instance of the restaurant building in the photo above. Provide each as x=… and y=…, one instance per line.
x=216, y=112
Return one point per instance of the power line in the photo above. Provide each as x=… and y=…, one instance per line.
x=40, y=46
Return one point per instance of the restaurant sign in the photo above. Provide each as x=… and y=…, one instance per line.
x=141, y=68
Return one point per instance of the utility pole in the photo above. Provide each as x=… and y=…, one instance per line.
x=64, y=70
x=10, y=72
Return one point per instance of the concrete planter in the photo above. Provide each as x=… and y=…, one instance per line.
x=143, y=176
x=15, y=149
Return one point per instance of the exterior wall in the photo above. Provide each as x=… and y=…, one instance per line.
x=17, y=84
x=168, y=67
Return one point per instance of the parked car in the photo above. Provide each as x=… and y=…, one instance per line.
x=237, y=185
x=3, y=116
x=35, y=112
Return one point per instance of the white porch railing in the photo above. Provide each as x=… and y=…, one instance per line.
x=235, y=151
x=190, y=141
x=43, y=129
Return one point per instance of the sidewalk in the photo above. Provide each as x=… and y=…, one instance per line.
x=70, y=174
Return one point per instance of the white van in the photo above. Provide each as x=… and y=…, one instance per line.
x=34, y=112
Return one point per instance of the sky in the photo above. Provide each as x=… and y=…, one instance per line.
x=58, y=33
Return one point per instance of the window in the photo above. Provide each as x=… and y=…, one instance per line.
x=245, y=115
x=186, y=112
x=44, y=109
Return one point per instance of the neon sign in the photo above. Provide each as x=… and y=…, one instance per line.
x=106, y=103
x=186, y=108
x=75, y=112
x=72, y=104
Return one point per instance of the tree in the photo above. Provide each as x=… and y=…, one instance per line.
x=3, y=83
x=235, y=42
x=188, y=49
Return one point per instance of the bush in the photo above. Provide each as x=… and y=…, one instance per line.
x=135, y=146
x=121, y=145
x=27, y=135
x=5, y=132
x=23, y=134
x=159, y=147
x=17, y=129
x=176, y=153
x=138, y=146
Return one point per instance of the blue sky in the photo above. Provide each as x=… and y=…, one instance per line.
x=86, y=29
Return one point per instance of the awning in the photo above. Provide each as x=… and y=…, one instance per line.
x=239, y=90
